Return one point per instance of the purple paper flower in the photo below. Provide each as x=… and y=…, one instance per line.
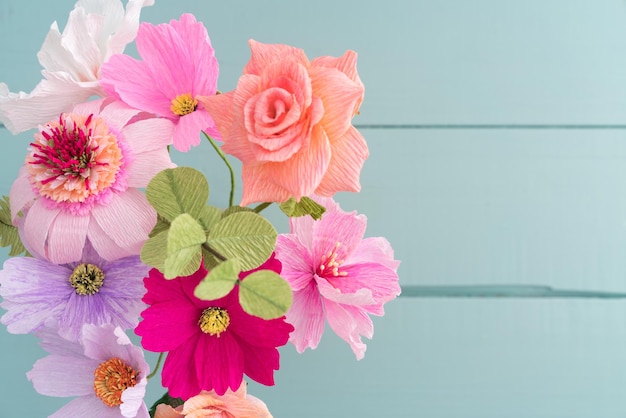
x=334, y=272
x=106, y=373
x=90, y=291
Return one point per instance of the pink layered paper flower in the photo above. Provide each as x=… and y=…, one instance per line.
x=178, y=66
x=104, y=371
x=82, y=179
x=95, y=30
x=335, y=272
x=290, y=123
x=211, y=405
x=211, y=344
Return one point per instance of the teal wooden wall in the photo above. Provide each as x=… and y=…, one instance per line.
x=498, y=139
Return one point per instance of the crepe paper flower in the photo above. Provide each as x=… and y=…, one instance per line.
x=178, y=65
x=334, y=272
x=95, y=30
x=90, y=291
x=211, y=405
x=81, y=182
x=289, y=122
x=104, y=371
x=212, y=343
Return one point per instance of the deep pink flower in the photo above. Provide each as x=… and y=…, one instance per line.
x=211, y=344
x=178, y=65
x=334, y=271
x=289, y=121
x=82, y=179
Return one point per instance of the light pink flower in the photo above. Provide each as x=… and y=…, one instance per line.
x=82, y=179
x=71, y=61
x=289, y=122
x=211, y=405
x=335, y=272
x=178, y=66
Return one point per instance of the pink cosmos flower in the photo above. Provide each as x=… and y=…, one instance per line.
x=211, y=405
x=211, y=343
x=104, y=371
x=71, y=61
x=334, y=272
x=81, y=182
x=178, y=66
x=289, y=122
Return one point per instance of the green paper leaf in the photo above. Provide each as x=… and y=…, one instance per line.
x=154, y=251
x=265, y=294
x=306, y=206
x=246, y=236
x=184, y=247
x=161, y=225
x=179, y=190
x=220, y=281
x=235, y=209
x=209, y=216
x=8, y=233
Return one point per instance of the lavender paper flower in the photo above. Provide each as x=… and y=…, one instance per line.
x=104, y=371
x=90, y=291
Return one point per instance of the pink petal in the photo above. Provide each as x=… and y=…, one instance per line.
x=298, y=267
x=127, y=219
x=220, y=109
x=258, y=186
x=103, y=244
x=66, y=238
x=127, y=31
x=378, y=279
x=188, y=129
x=179, y=376
x=339, y=95
x=131, y=81
x=376, y=249
x=260, y=364
x=350, y=323
x=307, y=316
x=219, y=362
x=348, y=156
x=148, y=135
x=346, y=64
x=263, y=55
x=37, y=224
x=168, y=325
x=337, y=232
x=117, y=114
x=21, y=193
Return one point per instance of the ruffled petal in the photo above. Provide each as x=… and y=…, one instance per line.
x=63, y=376
x=298, y=267
x=66, y=238
x=350, y=323
x=263, y=55
x=307, y=316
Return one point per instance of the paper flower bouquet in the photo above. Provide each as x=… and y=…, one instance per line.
x=108, y=236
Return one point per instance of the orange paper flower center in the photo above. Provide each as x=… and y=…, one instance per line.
x=74, y=158
x=111, y=378
x=183, y=104
x=214, y=321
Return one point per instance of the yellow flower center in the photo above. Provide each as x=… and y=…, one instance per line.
x=183, y=104
x=87, y=279
x=214, y=321
x=111, y=378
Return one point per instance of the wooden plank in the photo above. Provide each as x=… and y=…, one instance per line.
x=423, y=61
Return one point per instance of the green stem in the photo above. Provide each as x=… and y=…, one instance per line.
x=230, y=168
x=156, y=368
x=262, y=206
x=213, y=252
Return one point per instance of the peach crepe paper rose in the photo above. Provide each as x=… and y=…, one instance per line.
x=208, y=404
x=290, y=123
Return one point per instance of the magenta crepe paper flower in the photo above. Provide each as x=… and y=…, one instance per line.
x=178, y=66
x=71, y=60
x=104, y=371
x=335, y=273
x=90, y=291
x=81, y=182
x=211, y=344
